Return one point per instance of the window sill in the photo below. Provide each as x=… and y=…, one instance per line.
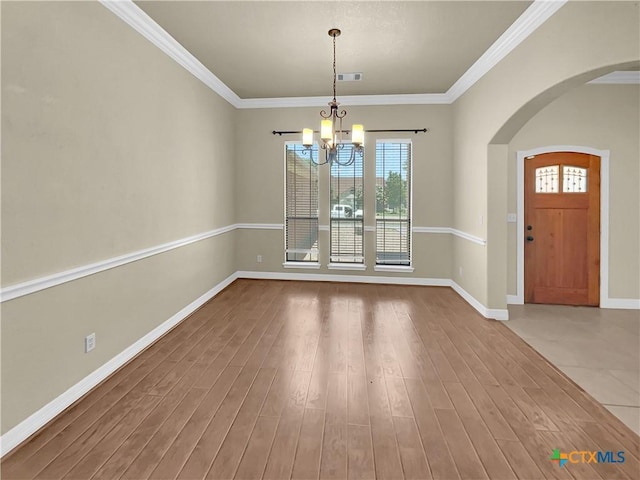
x=312, y=265
x=347, y=266
x=393, y=268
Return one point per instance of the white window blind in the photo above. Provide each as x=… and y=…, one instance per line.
x=301, y=205
x=347, y=208
x=393, y=202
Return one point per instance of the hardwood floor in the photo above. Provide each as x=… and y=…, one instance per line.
x=318, y=380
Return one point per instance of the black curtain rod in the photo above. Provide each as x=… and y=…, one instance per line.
x=294, y=132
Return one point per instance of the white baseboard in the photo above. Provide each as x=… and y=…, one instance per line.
x=624, y=303
x=323, y=277
x=495, y=313
x=501, y=314
x=514, y=300
x=36, y=421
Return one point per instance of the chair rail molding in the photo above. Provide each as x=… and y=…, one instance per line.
x=35, y=285
x=452, y=231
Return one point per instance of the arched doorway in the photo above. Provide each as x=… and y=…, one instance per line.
x=501, y=255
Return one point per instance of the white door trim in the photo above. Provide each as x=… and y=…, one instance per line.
x=604, y=216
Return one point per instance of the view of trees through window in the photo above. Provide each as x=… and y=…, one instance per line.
x=347, y=208
x=393, y=202
x=347, y=205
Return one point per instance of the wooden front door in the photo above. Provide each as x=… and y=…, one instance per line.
x=562, y=229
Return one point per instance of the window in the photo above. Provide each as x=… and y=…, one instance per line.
x=301, y=205
x=393, y=202
x=547, y=179
x=574, y=179
x=347, y=207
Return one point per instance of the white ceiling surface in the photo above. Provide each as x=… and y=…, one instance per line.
x=266, y=49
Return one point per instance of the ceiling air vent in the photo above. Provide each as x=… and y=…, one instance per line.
x=349, y=77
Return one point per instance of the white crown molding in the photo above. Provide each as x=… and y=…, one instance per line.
x=31, y=286
x=619, y=78
x=452, y=231
x=142, y=23
x=349, y=100
x=534, y=16
x=39, y=419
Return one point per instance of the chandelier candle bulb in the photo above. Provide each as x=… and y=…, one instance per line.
x=331, y=132
x=357, y=134
x=326, y=130
x=307, y=137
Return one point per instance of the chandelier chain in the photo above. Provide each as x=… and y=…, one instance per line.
x=331, y=130
x=334, y=67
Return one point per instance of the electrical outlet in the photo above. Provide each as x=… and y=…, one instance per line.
x=89, y=342
x=512, y=217
x=259, y=259
x=460, y=271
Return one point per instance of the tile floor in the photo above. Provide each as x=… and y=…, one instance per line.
x=599, y=349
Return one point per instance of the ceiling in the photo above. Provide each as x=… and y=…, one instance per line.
x=267, y=49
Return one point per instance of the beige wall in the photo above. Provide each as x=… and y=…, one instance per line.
x=605, y=117
x=260, y=182
x=581, y=37
x=108, y=147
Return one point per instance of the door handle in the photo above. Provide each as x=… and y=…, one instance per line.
x=529, y=238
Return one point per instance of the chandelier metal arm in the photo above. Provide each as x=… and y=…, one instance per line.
x=309, y=151
x=332, y=132
x=331, y=155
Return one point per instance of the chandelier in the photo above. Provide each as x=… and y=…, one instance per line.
x=331, y=132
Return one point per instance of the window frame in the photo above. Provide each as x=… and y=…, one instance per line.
x=343, y=265
x=314, y=264
x=390, y=267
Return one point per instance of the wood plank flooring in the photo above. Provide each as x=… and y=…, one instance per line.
x=306, y=380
